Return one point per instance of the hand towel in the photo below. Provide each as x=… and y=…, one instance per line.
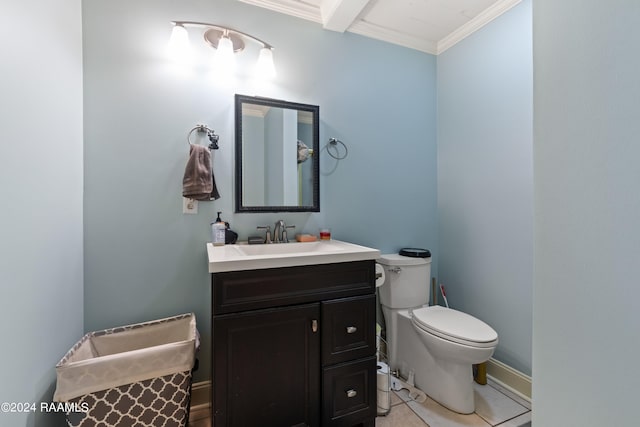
x=198, y=182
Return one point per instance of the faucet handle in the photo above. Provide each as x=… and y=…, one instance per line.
x=267, y=237
x=285, y=239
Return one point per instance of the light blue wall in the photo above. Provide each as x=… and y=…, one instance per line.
x=144, y=258
x=383, y=107
x=41, y=265
x=254, y=165
x=485, y=179
x=587, y=206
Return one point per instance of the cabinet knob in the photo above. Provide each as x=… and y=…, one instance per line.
x=351, y=393
x=314, y=325
x=351, y=329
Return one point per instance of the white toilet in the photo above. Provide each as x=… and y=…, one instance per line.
x=439, y=345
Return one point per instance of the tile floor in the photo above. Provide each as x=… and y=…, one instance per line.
x=495, y=406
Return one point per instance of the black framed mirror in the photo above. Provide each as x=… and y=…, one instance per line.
x=277, y=155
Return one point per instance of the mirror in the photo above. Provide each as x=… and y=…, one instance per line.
x=277, y=156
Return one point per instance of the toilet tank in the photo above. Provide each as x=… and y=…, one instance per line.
x=407, y=281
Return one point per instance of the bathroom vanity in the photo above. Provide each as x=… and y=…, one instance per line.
x=294, y=337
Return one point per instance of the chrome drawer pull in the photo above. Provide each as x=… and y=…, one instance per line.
x=314, y=325
x=351, y=393
x=351, y=329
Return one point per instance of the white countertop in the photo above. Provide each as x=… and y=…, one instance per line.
x=240, y=257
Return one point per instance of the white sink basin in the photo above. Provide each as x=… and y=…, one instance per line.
x=252, y=257
x=291, y=248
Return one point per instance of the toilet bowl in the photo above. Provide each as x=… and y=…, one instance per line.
x=438, y=345
x=454, y=335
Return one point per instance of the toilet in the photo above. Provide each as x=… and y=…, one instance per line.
x=436, y=345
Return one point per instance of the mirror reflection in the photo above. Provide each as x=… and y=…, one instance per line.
x=277, y=154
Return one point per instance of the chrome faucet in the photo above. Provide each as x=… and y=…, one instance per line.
x=280, y=232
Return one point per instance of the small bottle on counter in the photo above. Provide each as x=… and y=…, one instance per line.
x=325, y=234
x=218, y=231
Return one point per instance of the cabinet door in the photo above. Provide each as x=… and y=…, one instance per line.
x=266, y=367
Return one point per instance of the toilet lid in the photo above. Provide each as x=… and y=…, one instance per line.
x=455, y=326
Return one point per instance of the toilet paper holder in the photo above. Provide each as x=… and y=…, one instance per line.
x=383, y=376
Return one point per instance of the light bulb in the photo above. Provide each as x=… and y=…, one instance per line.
x=265, y=68
x=224, y=58
x=178, y=47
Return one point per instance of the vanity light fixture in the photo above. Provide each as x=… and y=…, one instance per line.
x=226, y=41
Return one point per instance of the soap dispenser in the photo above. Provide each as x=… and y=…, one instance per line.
x=218, y=231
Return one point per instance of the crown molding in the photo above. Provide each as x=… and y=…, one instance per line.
x=391, y=36
x=290, y=7
x=313, y=13
x=475, y=24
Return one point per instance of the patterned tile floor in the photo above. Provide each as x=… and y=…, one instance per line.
x=495, y=406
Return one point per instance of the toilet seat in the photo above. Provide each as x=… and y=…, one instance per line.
x=456, y=326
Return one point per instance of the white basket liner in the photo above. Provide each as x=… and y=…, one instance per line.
x=113, y=357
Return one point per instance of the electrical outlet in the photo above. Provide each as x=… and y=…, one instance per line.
x=189, y=206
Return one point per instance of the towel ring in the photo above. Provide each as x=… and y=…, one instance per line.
x=334, y=143
x=211, y=134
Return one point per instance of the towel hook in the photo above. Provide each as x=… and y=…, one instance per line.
x=211, y=134
x=334, y=143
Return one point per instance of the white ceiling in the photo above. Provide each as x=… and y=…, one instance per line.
x=430, y=26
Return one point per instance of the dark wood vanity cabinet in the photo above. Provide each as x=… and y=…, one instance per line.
x=294, y=346
x=262, y=366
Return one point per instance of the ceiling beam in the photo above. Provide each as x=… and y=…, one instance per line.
x=338, y=15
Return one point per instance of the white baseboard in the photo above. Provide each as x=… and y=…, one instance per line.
x=505, y=375
x=513, y=380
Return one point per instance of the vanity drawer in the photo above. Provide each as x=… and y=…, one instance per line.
x=349, y=393
x=236, y=291
x=348, y=329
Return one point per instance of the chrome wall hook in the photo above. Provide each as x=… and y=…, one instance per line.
x=333, y=142
x=211, y=134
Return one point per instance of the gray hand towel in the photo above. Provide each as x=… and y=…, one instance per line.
x=198, y=182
